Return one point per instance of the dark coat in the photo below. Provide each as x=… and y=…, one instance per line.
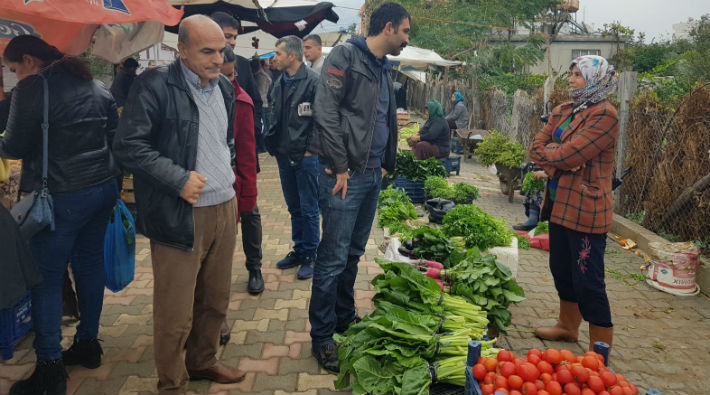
x=157, y=141
x=436, y=131
x=19, y=271
x=299, y=129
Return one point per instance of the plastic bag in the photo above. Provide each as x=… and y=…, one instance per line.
x=120, y=248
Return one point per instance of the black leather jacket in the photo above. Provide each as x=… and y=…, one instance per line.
x=299, y=128
x=157, y=141
x=82, y=122
x=345, y=110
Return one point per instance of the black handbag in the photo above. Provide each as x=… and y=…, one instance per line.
x=36, y=211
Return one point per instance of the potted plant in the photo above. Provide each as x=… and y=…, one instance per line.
x=507, y=156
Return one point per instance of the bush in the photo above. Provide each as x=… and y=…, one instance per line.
x=498, y=149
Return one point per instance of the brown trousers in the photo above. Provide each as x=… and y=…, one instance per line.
x=191, y=296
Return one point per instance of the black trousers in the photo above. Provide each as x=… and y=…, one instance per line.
x=251, y=237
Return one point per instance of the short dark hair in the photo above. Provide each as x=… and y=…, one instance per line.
x=229, y=56
x=315, y=38
x=129, y=63
x=293, y=45
x=223, y=19
x=387, y=12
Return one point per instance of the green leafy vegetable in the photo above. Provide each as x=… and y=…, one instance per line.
x=409, y=167
x=530, y=184
x=394, y=206
x=461, y=192
x=542, y=227
x=496, y=148
x=477, y=227
x=523, y=243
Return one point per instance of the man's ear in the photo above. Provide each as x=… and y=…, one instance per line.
x=182, y=49
x=389, y=28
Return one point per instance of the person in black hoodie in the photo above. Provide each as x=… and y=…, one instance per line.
x=355, y=113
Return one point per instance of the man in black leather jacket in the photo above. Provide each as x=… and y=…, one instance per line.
x=176, y=137
x=288, y=139
x=355, y=111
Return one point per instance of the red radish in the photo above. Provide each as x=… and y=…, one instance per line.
x=440, y=284
x=433, y=264
x=433, y=273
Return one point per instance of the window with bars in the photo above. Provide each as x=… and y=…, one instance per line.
x=581, y=52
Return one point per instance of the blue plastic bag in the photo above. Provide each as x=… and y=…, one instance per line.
x=120, y=248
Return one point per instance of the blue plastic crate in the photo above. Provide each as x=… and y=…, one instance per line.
x=456, y=145
x=413, y=189
x=451, y=163
x=15, y=322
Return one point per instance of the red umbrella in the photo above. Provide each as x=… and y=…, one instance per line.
x=70, y=24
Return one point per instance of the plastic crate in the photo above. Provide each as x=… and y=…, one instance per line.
x=456, y=146
x=451, y=163
x=413, y=189
x=15, y=322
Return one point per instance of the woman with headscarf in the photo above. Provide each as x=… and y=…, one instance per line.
x=576, y=150
x=458, y=117
x=82, y=178
x=433, y=139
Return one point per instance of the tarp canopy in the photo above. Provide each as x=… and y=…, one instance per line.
x=277, y=17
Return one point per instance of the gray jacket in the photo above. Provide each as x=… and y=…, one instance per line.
x=459, y=115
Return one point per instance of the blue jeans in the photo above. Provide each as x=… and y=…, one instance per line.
x=299, y=183
x=80, y=219
x=346, y=229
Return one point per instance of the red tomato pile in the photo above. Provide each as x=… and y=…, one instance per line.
x=553, y=372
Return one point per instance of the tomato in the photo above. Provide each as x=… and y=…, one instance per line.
x=572, y=389
x=590, y=362
x=628, y=391
x=490, y=378
x=505, y=355
x=596, y=384
x=501, y=382
x=552, y=356
x=546, y=377
x=542, y=392
x=554, y=388
x=506, y=368
x=535, y=351
x=539, y=384
x=515, y=392
x=501, y=390
x=633, y=388
x=564, y=376
x=580, y=373
x=515, y=382
x=587, y=391
x=519, y=361
x=545, y=367
x=529, y=388
x=491, y=364
x=620, y=378
x=534, y=359
x=487, y=389
x=605, y=392
x=481, y=359
x=616, y=390
x=479, y=371
x=609, y=378
x=568, y=356
x=528, y=372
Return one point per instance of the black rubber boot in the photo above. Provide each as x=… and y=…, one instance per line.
x=84, y=352
x=49, y=378
x=530, y=223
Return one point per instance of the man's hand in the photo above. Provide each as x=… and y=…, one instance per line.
x=341, y=183
x=384, y=172
x=578, y=168
x=193, y=187
x=539, y=175
x=416, y=138
x=307, y=154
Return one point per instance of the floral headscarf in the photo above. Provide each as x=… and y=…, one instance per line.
x=434, y=109
x=459, y=97
x=600, y=79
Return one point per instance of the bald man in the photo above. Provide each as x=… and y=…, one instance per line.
x=176, y=137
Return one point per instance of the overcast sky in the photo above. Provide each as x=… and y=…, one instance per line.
x=653, y=17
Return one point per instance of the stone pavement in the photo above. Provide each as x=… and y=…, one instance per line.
x=662, y=341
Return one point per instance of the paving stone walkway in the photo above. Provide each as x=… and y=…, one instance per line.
x=661, y=341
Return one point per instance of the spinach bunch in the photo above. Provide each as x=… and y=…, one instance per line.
x=541, y=228
x=478, y=228
x=461, y=192
x=409, y=167
x=394, y=206
x=487, y=283
x=431, y=244
x=496, y=148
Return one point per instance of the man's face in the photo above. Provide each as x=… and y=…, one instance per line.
x=230, y=36
x=283, y=61
x=311, y=50
x=398, y=39
x=204, y=53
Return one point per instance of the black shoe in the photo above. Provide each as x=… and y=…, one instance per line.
x=326, y=356
x=291, y=260
x=255, y=285
x=84, y=352
x=49, y=378
x=342, y=328
x=524, y=227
